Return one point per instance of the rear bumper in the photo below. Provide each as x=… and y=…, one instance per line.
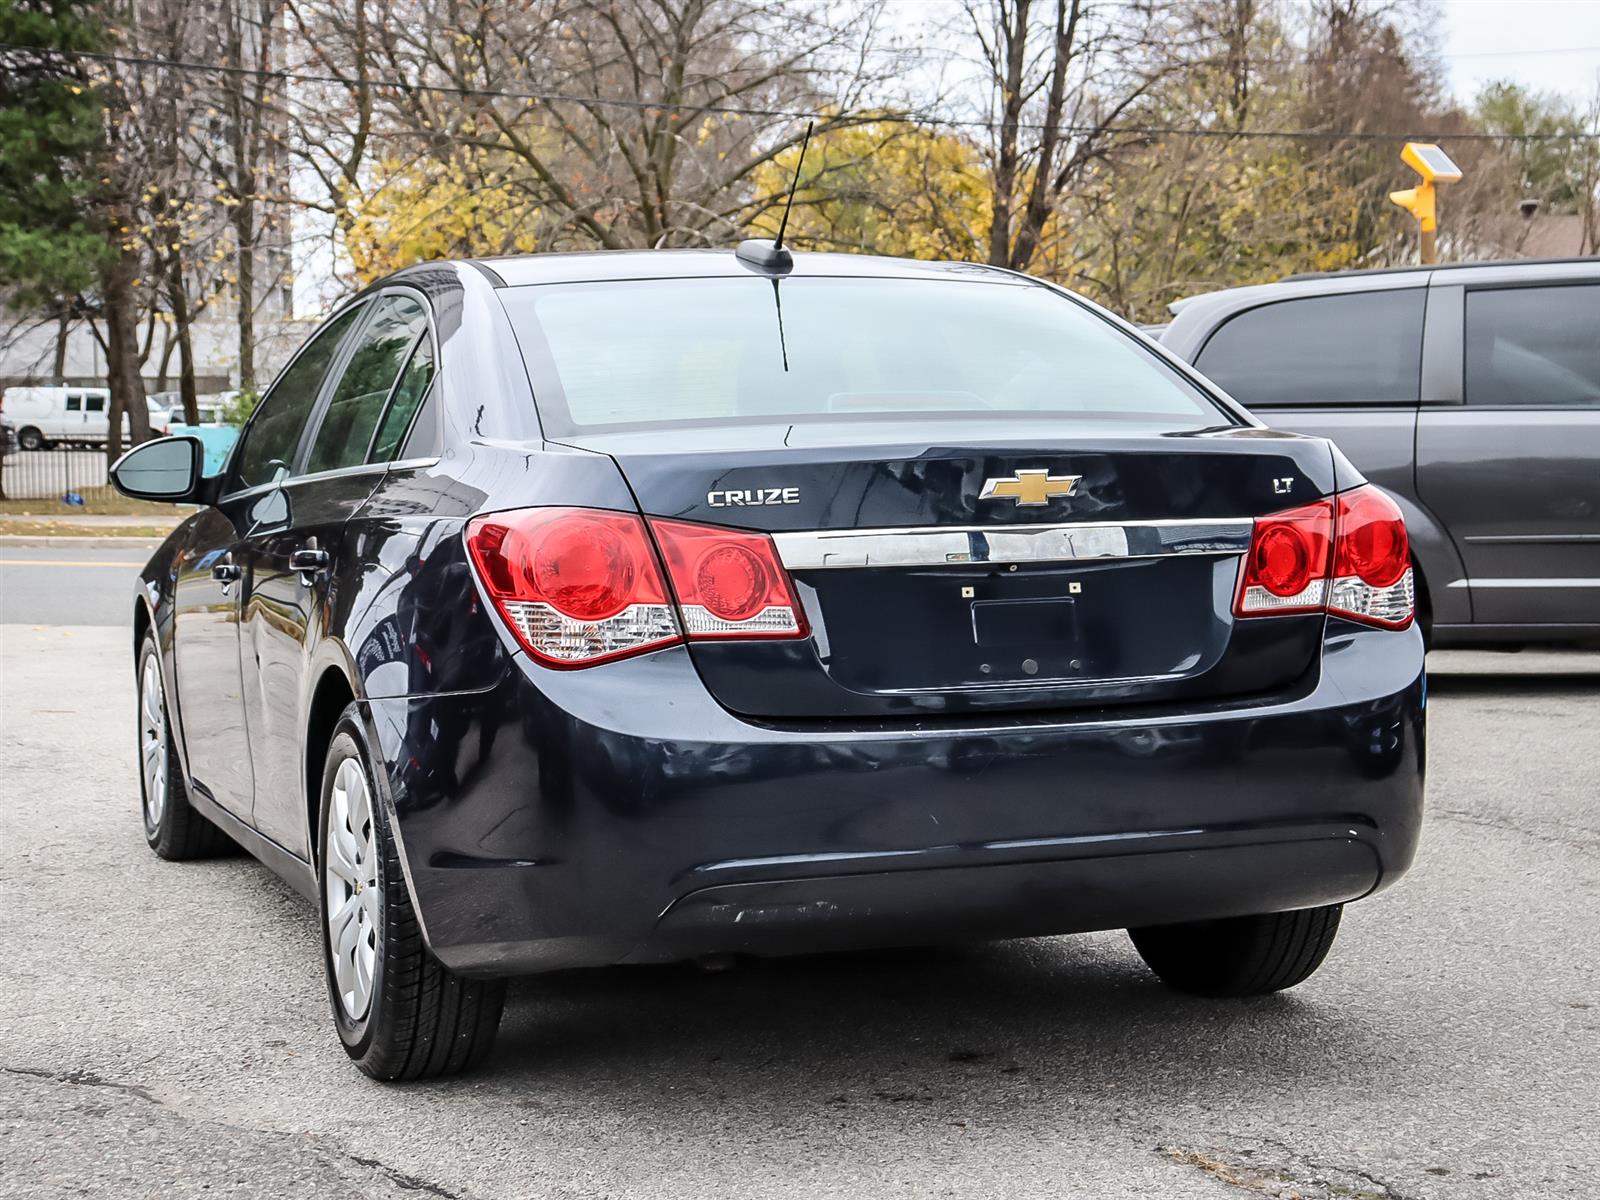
x=581, y=818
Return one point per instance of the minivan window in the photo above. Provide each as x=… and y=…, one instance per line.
x=74, y=403
x=266, y=448
x=1361, y=348
x=358, y=400
x=644, y=354
x=1534, y=346
x=95, y=403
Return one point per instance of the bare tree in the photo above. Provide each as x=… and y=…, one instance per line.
x=1060, y=76
x=244, y=150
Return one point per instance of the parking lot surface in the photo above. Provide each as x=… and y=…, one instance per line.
x=163, y=1027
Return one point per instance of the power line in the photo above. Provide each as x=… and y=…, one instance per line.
x=886, y=117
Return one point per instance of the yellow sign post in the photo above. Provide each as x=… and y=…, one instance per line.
x=1434, y=165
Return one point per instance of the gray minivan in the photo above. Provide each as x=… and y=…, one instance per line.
x=1470, y=392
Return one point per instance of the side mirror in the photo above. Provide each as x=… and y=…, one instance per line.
x=166, y=469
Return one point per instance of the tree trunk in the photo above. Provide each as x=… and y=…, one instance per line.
x=178, y=301
x=122, y=352
x=58, y=372
x=244, y=221
x=168, y=345
x=1013, y=41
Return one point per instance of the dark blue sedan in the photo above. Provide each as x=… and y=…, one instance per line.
x=587, y=609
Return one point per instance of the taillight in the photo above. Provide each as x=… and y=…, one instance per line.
x=1286, y=569
x=1348, y=556
x=729, y=583
x=580, y=586
x=1371, y=560
x=577, y=586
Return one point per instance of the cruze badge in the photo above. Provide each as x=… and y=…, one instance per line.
x=1030, y=488
x=752, y=497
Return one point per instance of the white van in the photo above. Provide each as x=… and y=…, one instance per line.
x=43, y=416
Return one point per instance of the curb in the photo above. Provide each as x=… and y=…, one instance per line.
x=88, y=541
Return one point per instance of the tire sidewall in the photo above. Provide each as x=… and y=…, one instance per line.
x=357, y=1035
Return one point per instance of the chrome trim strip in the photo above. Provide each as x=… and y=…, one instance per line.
x=954, y=545
x=1525, y=583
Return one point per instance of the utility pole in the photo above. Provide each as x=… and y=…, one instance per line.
x=1434, y=165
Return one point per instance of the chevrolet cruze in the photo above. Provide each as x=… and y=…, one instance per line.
x=573, y=610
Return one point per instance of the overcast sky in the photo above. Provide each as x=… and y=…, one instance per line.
x=1551, y=45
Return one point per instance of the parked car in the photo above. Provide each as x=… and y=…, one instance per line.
x=45, y=416
x=207, y=410
x=573, y=610
x=1470, y=393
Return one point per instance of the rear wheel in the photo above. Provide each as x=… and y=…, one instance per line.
x=1240, y=956
x=171, y=825
x=400, y=1012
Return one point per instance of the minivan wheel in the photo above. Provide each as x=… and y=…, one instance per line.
x=400, y=1012
x=1240, y=956
x=171, y=825
x=30, y=438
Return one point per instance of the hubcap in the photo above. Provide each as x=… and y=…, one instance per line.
x=153, y=743
x=350, y=875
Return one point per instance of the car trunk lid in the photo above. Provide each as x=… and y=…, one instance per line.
x=990, y=566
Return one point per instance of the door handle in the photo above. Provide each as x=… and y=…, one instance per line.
x=226, y=572
x=308, y=562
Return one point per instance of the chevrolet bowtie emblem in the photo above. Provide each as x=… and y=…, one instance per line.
x=1029, y=488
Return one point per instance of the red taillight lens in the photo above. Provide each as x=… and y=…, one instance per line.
x=1348, y=556
x=729, y=583
x=1372, y=560
x=1372, y=538
x=1286, y=569
x=578, y=586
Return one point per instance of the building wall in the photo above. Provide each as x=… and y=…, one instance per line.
x=28, y=347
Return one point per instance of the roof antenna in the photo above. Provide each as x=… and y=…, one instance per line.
x=774, y=255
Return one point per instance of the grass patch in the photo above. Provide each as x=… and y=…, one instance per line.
x=113, y=505
x=21, y=527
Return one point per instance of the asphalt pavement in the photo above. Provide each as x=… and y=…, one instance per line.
x=69, y=584
x=163, y=1027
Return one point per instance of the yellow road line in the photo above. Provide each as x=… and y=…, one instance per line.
x=61, y=562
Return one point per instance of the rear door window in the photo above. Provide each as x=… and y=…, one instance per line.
x=403, y=404
x=267, y=447
x=1361, y=348
x=363, y=391
x=1534, y=347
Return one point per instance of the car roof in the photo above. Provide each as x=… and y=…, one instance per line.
x=1415, y=268
x=594, y=266
x=1385, y=279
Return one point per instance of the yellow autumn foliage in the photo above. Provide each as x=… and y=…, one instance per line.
x=883, y=187
x=430, y=210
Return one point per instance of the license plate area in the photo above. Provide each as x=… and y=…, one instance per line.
x=1030, y=625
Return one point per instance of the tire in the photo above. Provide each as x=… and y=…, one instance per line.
x=1240, y=956
x=30, y=438
x=172, y=827
x=417, y=1018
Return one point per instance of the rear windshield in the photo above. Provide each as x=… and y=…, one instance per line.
x=638, y=354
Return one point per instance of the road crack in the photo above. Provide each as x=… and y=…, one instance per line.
x=83, y=1078
x=1571, y=837
x=1293, y=1177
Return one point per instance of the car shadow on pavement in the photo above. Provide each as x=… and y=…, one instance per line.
x=1031, y=1020
x=1461, y=683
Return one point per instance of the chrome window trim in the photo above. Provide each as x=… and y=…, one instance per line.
x=960, y=545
